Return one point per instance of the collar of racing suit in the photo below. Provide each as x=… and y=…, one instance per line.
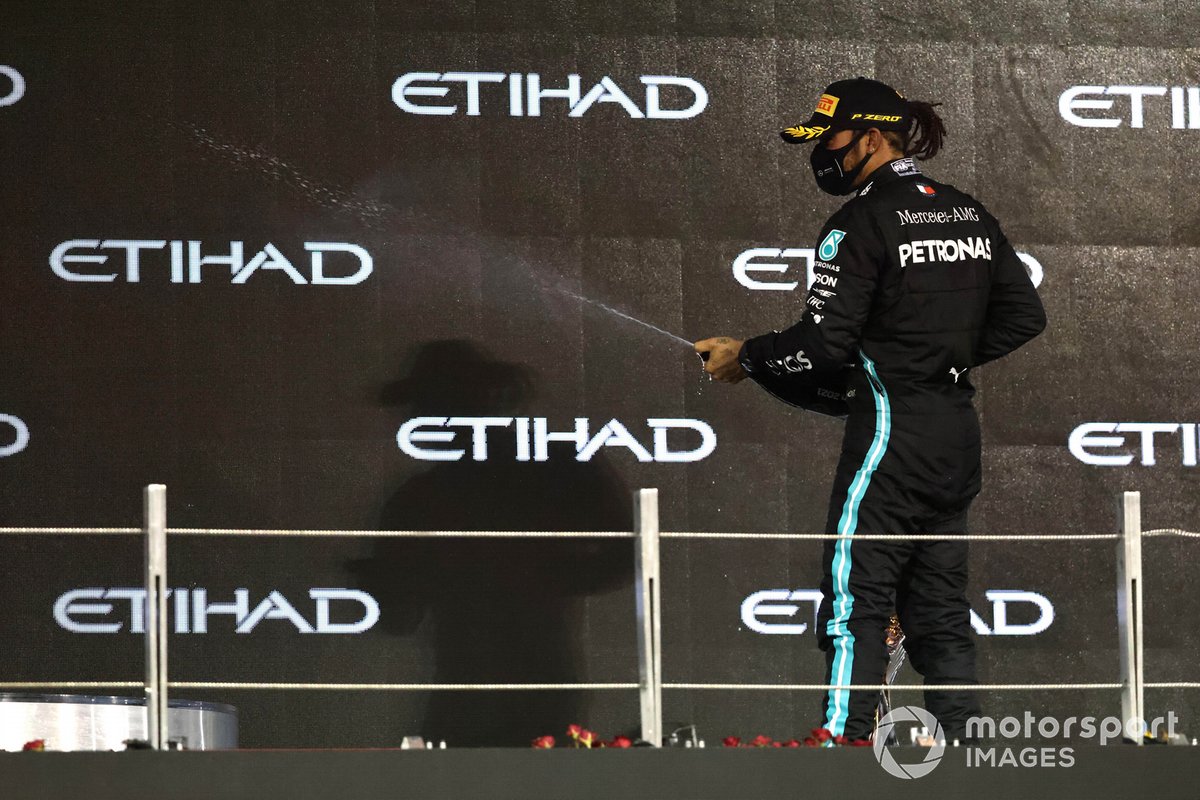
x=893, y=170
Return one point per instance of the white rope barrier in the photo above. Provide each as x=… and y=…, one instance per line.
x=981, y=537
x=858, y=537
x=72, y=685
x=999, y=537
x=337, y=533
x=457, y=687
x=1172, y=685
x=872, y=687
x=412, y=534
x=407, y=687
x=1171, y=532
x=83, y=531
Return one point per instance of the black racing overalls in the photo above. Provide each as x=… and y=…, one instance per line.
x=915, y=284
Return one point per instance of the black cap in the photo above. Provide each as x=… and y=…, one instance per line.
x=857, y=103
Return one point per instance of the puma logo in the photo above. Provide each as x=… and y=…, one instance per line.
x=958, y=373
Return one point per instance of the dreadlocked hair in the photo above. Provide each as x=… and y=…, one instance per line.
x=924, y=139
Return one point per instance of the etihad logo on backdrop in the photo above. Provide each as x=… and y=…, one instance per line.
x=1096, y=105
x=16, y=89
x=773, y=612
x=20, y=435
x=531, y=439
x=1106, y=444
x=526, y=94
x=187, y=261
x=97, y=610
x=751, y=272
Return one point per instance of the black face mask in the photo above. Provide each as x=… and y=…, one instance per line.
x=827, y=167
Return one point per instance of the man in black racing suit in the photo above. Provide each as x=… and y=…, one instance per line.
x=915, y=284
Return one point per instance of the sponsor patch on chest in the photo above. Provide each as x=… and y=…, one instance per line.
x=944, y=250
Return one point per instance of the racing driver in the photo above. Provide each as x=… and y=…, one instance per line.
x=915, y=285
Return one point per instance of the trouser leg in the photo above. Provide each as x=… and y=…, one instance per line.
x=859, y=594
x=932, y=605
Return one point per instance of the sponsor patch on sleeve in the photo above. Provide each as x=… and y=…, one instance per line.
x=829, y=245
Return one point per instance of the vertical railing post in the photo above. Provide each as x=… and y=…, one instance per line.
x=1129, y=610
x=155, y=526
x=649, y=616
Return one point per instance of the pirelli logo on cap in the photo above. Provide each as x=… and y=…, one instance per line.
x=827, y=105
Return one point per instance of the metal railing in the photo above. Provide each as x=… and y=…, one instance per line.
x=647, y=587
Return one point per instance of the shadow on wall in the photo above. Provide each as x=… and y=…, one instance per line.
x=501, y=610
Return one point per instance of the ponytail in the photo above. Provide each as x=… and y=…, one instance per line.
x=924, y=139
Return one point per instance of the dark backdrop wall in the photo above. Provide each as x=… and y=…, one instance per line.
x=350, y=265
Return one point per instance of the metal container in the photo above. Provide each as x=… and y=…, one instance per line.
x=91, y=722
